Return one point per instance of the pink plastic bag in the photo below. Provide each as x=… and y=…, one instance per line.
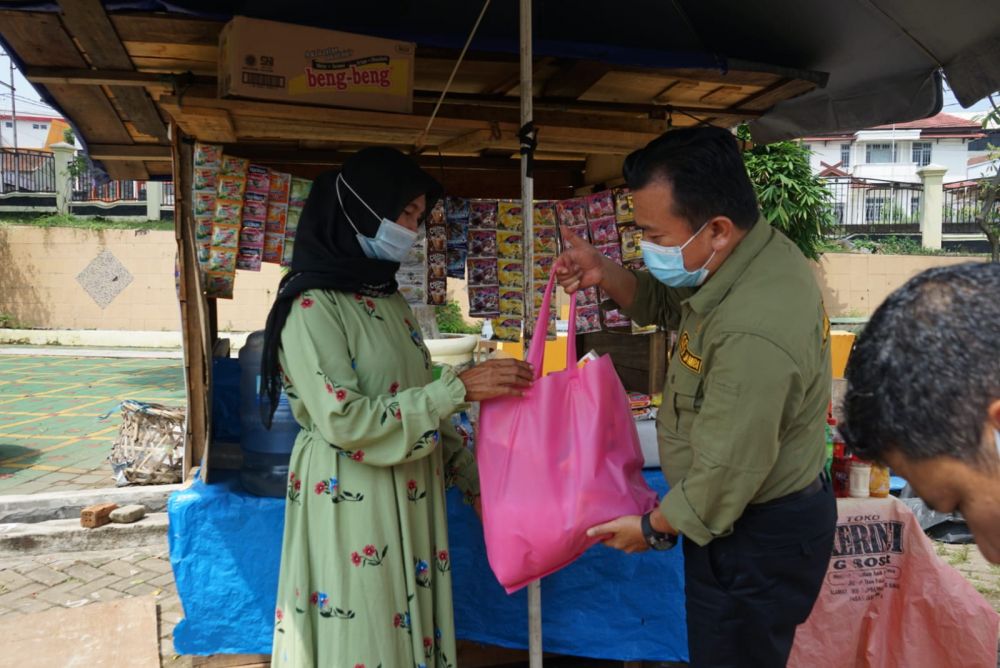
x=888, y=600
x=556, y=462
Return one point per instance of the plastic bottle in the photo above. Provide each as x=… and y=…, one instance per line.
x=831, y=425
x=879, y=485
x=861, y=478
x=840, y=472
x=265, y=452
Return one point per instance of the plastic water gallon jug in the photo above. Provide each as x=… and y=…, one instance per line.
x=265, y=452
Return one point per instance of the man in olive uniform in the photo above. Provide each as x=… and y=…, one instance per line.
x=741, y=428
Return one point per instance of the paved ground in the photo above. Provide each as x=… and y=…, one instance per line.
x=38, y=583
x=51, y=437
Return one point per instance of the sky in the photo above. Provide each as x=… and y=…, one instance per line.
x=29, y=102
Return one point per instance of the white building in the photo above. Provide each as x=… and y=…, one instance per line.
x=872, y=173
x=896, y=152
x=33, y=132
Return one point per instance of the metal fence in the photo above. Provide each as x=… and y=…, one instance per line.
x=27, y=171
x=961, y=204
x=872, y=206
x=89, y=186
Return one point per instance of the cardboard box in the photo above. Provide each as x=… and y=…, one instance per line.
x=268, y=60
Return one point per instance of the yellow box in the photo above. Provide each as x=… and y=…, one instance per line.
x=840, y=350
x=555, y=354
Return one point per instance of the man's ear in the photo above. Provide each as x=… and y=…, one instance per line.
x=722, y=231
x=993, y=414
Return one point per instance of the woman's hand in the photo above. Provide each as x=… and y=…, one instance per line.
x=580, y=266
x=497, y=378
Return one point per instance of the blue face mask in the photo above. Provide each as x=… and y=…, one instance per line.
x=392, y=241
x=666, y=263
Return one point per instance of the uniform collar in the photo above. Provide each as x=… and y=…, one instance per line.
x=718, y=284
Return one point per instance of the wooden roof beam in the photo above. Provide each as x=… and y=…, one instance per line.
x=88, y=23
x=85, y=77
x=152, y=152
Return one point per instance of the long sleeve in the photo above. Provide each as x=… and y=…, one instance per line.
x=655, y=303
x=382, y=430
x=735, y=437
x=460, y=464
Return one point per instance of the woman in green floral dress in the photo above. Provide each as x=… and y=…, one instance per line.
x=365, y=576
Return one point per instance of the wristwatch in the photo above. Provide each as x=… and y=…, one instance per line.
x=656, y=539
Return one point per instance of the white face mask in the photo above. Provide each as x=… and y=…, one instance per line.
x=996, y=437
x=392, y=241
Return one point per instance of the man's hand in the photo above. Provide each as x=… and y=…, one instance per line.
x=497, y=378
x=624, y=533
x=580, y=266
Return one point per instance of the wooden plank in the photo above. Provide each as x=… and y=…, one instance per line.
x=87, y=21
x=129, y=152
x=207, y=124
x=166, y=29
x=231, y=661
x=194, y=318
x=39, y=39
x=575, y=79
x=159, y=168
x=167, y=65
x=783, y=89
x=146, y=49
x=92, y=113
x=473, y=142
x=127, y=170
x=87, y=77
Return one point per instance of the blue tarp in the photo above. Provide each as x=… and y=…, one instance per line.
x=225, y=548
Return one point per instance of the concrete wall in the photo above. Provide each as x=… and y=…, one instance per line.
x=854, y=284
x=40, y=267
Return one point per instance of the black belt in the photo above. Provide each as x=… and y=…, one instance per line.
x=812, y=488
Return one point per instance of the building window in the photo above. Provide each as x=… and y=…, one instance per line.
x=922, y=153
x=880, y=153
x=845, y=155
x=874, y=206
x=8, y=124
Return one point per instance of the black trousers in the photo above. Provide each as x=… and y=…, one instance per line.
x=748, y=591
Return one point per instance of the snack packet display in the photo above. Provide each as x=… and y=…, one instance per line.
x=624, y=208
x=412, y=275
x=481, y=266
x=437, y=252
x=277, y=216
x=297, y=194
x=207, y=159
x=458, y=211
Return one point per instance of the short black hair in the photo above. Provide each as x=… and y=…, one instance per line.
x=923, y=373
x=706, y=171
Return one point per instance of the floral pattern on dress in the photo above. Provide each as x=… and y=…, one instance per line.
x=326, y=609
x=418, y=340
x=331, y=486
x=413, y=492
x=369, y=556
x=423, y=573
x=294, y=488
x=392, y=409
x=369, y=306
x=428, y=440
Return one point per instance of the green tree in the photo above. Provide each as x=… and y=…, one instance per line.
x=988, y=215
x=791, y=197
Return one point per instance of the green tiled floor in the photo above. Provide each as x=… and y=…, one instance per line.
x=52, y=435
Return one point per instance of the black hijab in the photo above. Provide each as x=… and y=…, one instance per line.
x=327, y=254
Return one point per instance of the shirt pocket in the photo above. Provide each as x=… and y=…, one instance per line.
x=685, y=398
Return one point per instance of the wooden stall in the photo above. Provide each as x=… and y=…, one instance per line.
x=140, y=87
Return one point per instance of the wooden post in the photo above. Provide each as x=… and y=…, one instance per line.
x=528, y=210
x=195, y=332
